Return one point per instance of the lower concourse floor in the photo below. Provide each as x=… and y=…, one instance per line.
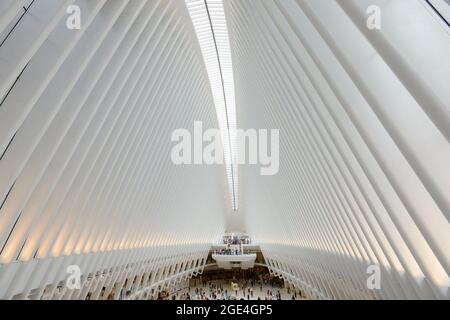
x=252, y=284
x=224, y=290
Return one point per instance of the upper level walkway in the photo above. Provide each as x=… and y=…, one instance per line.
x=235, y=251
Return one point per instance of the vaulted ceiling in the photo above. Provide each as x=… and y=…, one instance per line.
x=86, y=118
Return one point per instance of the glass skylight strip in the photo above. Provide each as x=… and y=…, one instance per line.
x=209, y=21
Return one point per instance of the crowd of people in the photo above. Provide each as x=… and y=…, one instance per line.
x=243, y=290
x=236, y=239
x=236, y=284
x=230, y=250
x=232, y=285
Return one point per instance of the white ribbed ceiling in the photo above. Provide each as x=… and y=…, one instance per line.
x=86, y=176
x=86, y=118
x=364, y=119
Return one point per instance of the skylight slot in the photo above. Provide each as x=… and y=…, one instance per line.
x=209, y=21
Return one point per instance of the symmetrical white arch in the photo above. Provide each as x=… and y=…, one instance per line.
x=86, y=118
